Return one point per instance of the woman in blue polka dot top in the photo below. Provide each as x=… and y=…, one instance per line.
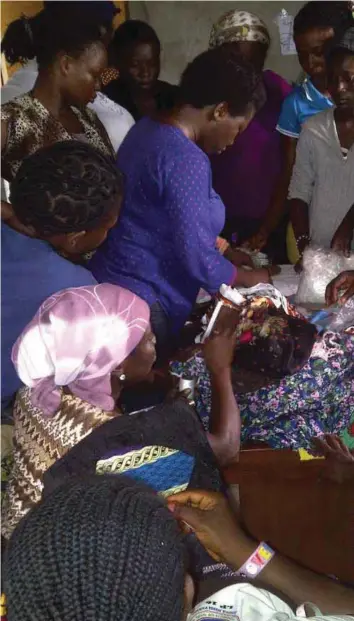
x=164, y=245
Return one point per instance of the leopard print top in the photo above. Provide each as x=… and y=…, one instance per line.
x=31, y=126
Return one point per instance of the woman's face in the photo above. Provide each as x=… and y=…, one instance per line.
x=81, y=76
x=221, y=129
x=341, y=83
x=140, y=66
x=140, y=362
x=310, y=51
x=253, y=52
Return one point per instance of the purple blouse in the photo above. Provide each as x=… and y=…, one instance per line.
x=163, y=247
x=246, y=173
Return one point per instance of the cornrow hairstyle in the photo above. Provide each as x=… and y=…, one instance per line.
x=47, y=34
x=324, y=14
x=222, y=75
x=130, y=33
x=100, y=549
x=66, y=187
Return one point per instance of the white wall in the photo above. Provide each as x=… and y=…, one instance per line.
x=184, y=27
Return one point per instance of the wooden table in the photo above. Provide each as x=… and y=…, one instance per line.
x=291, y=504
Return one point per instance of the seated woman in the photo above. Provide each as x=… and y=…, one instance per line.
x=82, y=347
x=66, y=196
x=289, y=387
x=245, y=174
x=322, y=186
x=164, y=247
x=70, y=61
x=135, y=53
x=108, y=549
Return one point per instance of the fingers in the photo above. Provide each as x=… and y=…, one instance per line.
x=334, y=287
x=198, y=499
x=331, y=445
x=348, y=294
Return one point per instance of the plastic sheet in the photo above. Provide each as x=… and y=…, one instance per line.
x=320, y=267
x=344, y=318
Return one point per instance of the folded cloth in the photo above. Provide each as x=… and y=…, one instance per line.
x=144, y=438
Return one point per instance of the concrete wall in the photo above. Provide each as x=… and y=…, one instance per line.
x=184, y=28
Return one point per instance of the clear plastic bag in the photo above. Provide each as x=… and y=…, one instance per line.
x=344, y=318
x=320, y=267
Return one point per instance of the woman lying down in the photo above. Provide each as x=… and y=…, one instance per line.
x=291, y=384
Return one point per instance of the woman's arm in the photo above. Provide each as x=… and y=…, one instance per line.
x=342, y=239
x=7, y=212
x=225, y=422
x=301, y=189
x=215, y=525
x=299, y=215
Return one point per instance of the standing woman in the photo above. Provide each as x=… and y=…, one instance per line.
x=70, y=62
x=164, y=246
x=135, y=52
x=245, y=175
x=100, y=13
x=316, y=25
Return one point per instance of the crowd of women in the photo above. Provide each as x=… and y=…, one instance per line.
x=129, y=195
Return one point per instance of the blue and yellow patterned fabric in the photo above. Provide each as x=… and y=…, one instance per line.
x=165, y=470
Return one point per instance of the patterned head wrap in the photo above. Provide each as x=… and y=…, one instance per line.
x=76, y=339
x=237, y=26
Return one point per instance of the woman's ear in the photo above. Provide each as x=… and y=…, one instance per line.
x=119, y=371
x=220, y=111
x=64, y=63
x=74, y=238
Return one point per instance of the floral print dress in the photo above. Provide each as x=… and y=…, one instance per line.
x=318, y=399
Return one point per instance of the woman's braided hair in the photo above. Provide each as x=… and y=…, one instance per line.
x=66, y=187
x=99, y=549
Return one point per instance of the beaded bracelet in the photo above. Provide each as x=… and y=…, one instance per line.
x=301, y=237
x=258, y=560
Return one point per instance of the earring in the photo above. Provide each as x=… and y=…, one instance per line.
x=122, y=377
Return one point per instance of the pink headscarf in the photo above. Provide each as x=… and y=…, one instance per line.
x=76, y=339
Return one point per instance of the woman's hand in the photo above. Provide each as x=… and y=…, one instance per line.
x=339, y=459
x=340, y=289
x=239, y=258
x=298, y=267
x=209, y=516
x=342, y=239
x=333, y=448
